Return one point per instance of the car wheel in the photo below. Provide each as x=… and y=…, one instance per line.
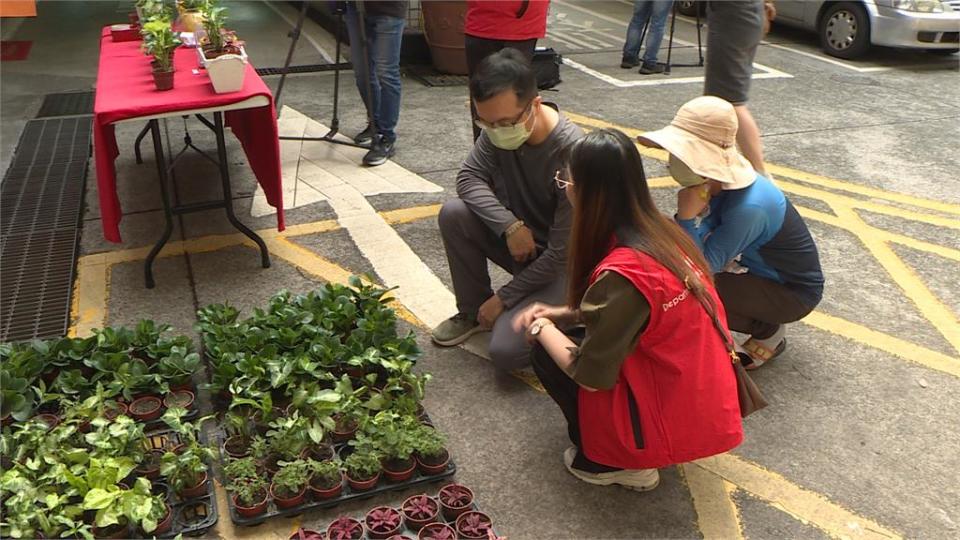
x=845, y=30
x=690, y=7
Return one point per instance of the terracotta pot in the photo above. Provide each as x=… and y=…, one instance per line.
x=251, y=511
x=363, y=485
x=443, y=31
x=163, y=80
x=306, y=534
x=288, y=502
x=431, y=468
x=382, y=535
x=240, y=447
x=344, y=435
x=354, y=526
x=146, y=409
x=51, y=420
x=111, y=413
x=417, y=523
x=191, y=20
x=483, y=517
x=401, y=475
x=179, y=398
x=150, y=471
x=321, y=452
x=451, y=513
x=198, y=490
x=323, y=494
x=164, y=525
x=183, y=385
x=430, y=532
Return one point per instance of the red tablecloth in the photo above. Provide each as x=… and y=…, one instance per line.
x=125, y=90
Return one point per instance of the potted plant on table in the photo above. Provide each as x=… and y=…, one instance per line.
x=431, y=454
x=326, y=480
x=221, y=52
x=420, y=510
x=248, y=488
x=191, y=13
x=345, y=528
x=160, y=42
x=362, y=469
x=289, y=486
x=383, y=522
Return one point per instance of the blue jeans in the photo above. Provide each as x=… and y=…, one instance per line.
x=656, y=11
x=384, y=35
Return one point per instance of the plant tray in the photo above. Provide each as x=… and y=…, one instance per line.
x=383, y=486
x=404, y=530
x=191, y=517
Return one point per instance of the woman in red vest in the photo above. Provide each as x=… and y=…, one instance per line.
x=651, y=383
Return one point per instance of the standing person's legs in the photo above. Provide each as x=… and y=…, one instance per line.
x=479, y=48
x=508, y=349
x=735, y=29
x=631, y=47
x=564, y=391
x=385, y=37
x=658, y=23
x=469, y=243
x=363, y=68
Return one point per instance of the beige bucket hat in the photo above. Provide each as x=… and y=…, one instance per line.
x=703, y=135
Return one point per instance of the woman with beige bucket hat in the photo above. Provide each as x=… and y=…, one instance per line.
x=766, y=265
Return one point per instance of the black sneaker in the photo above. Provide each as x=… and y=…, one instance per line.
x=629, y=63
x=380, y=152
x=365, y=137
x=651, y=69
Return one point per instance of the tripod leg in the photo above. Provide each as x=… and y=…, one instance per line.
x=673, y=23
x=295, y=37
x=699, y=39
x=365, y=54
x=335, y=122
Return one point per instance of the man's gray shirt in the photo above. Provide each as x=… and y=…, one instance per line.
x=502, y=186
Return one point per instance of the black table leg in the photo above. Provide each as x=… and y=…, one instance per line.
x=154, y=129
x=228, y=192
x=136, y=144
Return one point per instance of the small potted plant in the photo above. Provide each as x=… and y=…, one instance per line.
x=186, y=471
x=345, y=528
x=455, y=499
x=160, y=42
x=383, y=522
x=432, y=456
x=191, y=13
x=179, y=398
x=437, y=531
x=363, y=470
x=420, y=510
x=149, y=468
x=177, y=368
x=289, y=486
x=326, y=480
x=393, y=436
x=474, y=525
x=239, y=434
x=222, y=53
x=249, y=495
x=146, y=408
x=306, y=534
x=159, y=520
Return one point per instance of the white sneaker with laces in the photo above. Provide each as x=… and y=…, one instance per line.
x=635, y=479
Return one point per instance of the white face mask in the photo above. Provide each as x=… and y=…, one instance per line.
x=683, y=174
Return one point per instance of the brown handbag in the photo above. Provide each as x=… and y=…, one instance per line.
x=748, y=393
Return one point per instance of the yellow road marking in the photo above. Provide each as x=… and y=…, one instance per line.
x=406, y=215
x=717, y=515
x=804, y=505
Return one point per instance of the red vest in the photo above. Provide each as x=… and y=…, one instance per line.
x=511, y=20
x=676, y=397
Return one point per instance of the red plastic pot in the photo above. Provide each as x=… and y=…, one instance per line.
x=437, y=531
x=196, y=491
x=399, y=475
x=363, y=485
x=321, y=452
x=111, y=413
x=153, y=471
x=420, y=510
x=306, y=534
x=464, y=502
x=146, y=409
x=434, y=467
x=379, y=531
x=345, y=435
x=343, y=528
x=236, y=447
x=466, y=518
x=323, y=494
x=251, y=511
x=164, y=525
x=179, y=398
x=288, y=502
x=163, y=80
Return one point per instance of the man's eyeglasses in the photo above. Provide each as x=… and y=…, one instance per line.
x=519, y=119
x=561, y=182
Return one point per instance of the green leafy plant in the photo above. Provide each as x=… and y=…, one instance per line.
x=241, y=468
x=362, y=464
x=116, y=506
x=15, y=399
x=292, y=478
x=288, y=436
x=325, y=474
x=179, y=365
x=186, y=469
x=429, y=443
x=249, y=490
x=392, y=435
x=214, y=17
x=159, y=42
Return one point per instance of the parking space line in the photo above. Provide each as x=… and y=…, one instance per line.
x=872, y=69
x=768, y=73
x=717, y=515
x=804, y=505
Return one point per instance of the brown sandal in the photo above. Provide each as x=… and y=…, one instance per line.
x=760, y=354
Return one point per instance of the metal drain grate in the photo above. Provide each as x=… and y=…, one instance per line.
x=433, y=78
x=307, y=68
x=41, y=205
x=69, y=104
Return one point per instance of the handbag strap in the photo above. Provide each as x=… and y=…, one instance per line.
x=710, y=307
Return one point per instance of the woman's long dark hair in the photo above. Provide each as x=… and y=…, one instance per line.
x=612, y=199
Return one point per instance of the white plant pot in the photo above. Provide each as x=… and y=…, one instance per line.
x=226, y=71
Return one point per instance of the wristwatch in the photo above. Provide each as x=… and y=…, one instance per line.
x=539, y=325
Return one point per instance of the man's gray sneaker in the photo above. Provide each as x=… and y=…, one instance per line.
x=456, y=330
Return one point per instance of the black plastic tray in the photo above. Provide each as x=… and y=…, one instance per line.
x=404, y=530
x=203, y=507
x=383, y=486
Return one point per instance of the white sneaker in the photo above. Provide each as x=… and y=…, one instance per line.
x=635, y=479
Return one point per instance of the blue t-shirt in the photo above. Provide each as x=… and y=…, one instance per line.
x=757, y=229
